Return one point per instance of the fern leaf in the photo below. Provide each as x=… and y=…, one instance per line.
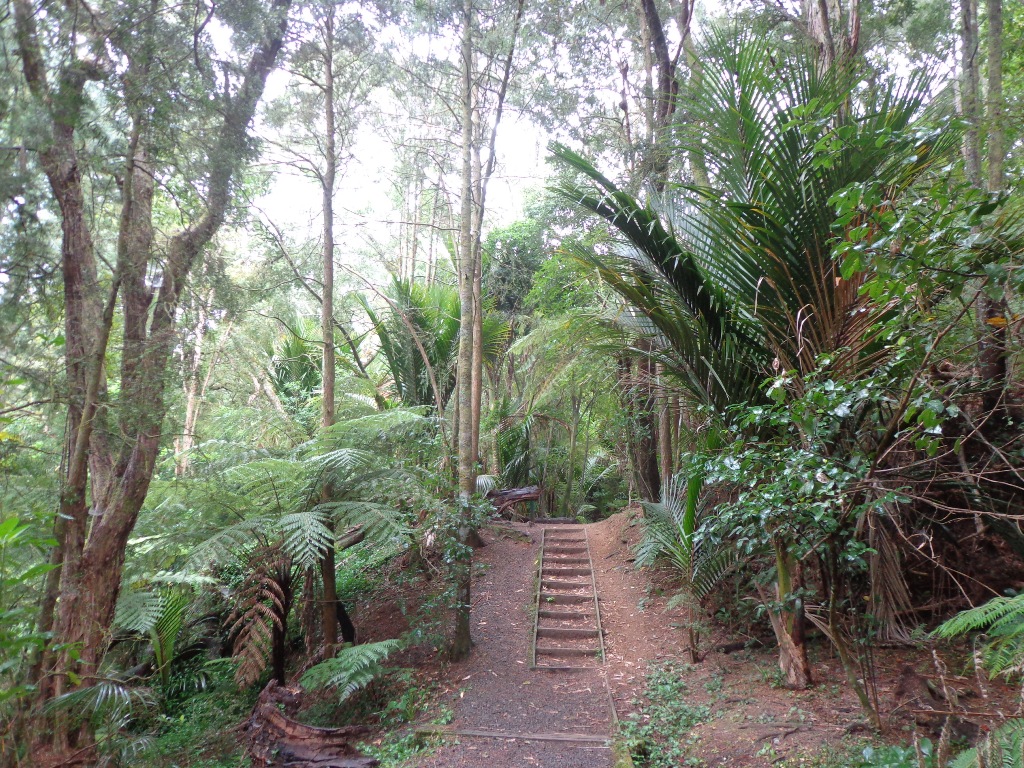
x=1004, y=748
x=261, y=613
x=306, y=535
x=138, y=610
x=354, y=667
x=1002, y=620
x=984, y=616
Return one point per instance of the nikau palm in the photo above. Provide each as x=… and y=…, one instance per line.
x=736, y=281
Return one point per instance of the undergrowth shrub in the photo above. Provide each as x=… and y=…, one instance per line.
x=656, y=734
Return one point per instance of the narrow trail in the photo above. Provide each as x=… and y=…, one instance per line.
x=534, y=691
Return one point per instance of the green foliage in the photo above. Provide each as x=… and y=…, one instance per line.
x=1002, y=621
x=731, y=281
x=656, y=734
x=199, y=731
x=921, y=754
x=1002, y=748
x=352, y=668
x=512, y=256
x=18, y=636
x=670, y=528
x=419, y=337
x=802, y=481
x=107, y=704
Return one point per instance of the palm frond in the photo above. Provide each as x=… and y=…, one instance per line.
x=106, y=701
x=737, y=279
x=670, y=533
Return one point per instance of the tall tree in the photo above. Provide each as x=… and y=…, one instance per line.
x=327, y=185
x=993, y=308
x=114, y=440
x=992, y=311
x=461, y=641
x=316, y=124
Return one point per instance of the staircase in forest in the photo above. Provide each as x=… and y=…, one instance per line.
x=567, y=624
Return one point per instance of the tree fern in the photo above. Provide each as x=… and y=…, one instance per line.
x=306, y=535
x=138, y=610
x=259, y=621
x=353, y=668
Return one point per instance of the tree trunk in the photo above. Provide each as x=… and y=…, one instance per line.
x=638, y=402
x=788, y=623
x=477, y=363
x=665, y=449
x=993, y=312
x=970, y=105
x=646, y=430
x=327, y=377
x=195, y=387
x=461, y=641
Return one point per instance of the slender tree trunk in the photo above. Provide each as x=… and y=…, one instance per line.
x=665, y=450
x=481, y=175
x=461, y=641
x=993, y=312
x=647, y=430
x=477, y=364
x=574, y=424
x=327, y=564
x=193, y=387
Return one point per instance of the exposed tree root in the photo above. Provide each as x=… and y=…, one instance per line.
x=273, y=738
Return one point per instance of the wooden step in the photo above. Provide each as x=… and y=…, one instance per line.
x=564, y=551
x=563, y=667
x=548, y=597
x=569, y=560
x=554, y=651
x=565, y=615
x=580, y=738
x=566, y=632
x=561, y=584
x=558, y=570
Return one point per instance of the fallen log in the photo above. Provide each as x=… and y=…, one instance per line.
x=503, y=499
x=275, y=739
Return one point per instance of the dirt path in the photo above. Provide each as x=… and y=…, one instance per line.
x=498, y=689
x=752, y=722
